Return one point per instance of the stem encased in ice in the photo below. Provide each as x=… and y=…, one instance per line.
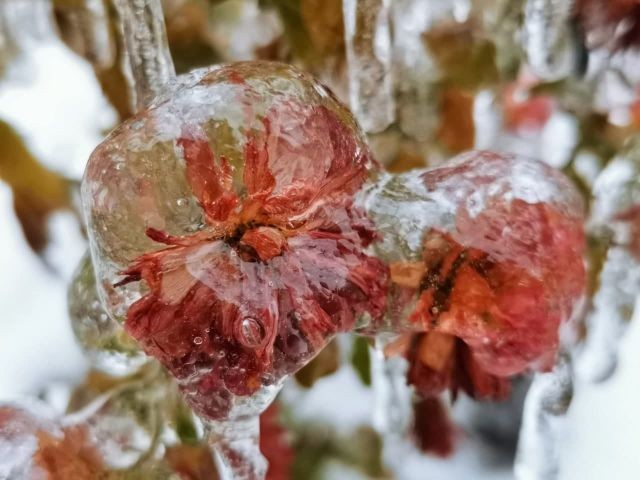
x=551, y=46
x=236, y=448
x=368, y=46
x=148, y=65
x=544, y=418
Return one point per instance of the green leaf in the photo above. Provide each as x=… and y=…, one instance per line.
x=361, y=360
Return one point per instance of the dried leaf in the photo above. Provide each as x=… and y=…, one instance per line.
x=324, y=364
x=324, y=24
x=192, y=462
x=188, y=36
x=457, y=128
x=466, y=59
x=37, y=191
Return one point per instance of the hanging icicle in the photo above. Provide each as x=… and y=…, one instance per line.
x=368, y=44
x=550, y=42
x=543, y=423
x=615, y=222
x=392, y=403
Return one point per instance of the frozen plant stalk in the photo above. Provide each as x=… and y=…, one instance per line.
x=549, y=41
x=148, y=64
x=368, y=43
x=543, y=423
x=236, y=448
x=613, y=307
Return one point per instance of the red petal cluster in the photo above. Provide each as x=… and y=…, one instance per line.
x=492, y=296
x=276, y=272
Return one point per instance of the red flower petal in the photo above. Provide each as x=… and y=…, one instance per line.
x=225, y=325
x=433, y=429
x=210, y=181
x=267, y=242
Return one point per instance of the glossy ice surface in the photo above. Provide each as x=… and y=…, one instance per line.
x=485, y=257
x=223, y=229
x=105, y=343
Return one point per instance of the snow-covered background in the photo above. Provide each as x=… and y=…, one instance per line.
x=52, y=98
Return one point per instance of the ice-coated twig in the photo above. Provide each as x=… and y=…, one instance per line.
x=550, y=43
x=148, y=64
x=543, y=423
x=236, y=448
x=368, y=45
x=613, y=307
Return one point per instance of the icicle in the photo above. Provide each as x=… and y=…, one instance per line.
x=413, y=68
x=148, y=64
x=85, y=28
x=368, y=44
x=105, y=343
x=615, y=221
x=543, y=423
x=392, y=404
x=613, y=307
x=236, y=447
x=551, y=45
x=392, y=396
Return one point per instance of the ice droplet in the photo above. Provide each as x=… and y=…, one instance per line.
x=198, y=340
x=253, y=332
